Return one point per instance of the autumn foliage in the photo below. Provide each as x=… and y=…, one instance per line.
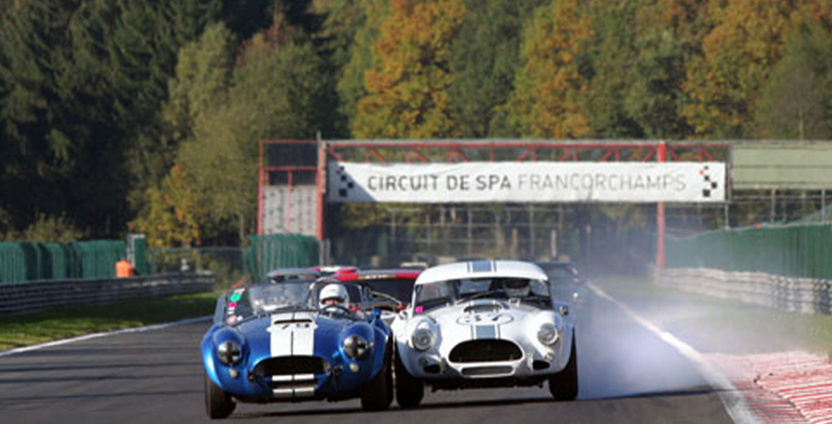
x=100, y=100
x=407, y=84
x=546, y=102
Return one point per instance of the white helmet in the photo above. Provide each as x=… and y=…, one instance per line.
x=333, y=293
x=517, y=287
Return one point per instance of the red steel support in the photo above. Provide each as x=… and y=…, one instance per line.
x=320, y=180
x=260, y=183
x=289, y=206
x=660, y=222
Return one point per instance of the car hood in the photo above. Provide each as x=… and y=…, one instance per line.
x=300, y=333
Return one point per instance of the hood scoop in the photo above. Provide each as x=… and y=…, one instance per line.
x=483, y=307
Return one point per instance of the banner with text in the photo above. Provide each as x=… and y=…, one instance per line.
x=526, y=182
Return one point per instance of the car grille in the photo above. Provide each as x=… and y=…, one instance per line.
x=485, y=351
x=291, y=365
x=484, y=371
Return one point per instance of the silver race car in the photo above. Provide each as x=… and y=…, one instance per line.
x=484, y=324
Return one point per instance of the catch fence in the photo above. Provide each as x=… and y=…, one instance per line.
x=26, y=261
x=789, y=250
x=280, y=251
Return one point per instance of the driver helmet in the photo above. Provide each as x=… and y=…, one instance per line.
x=333, y=294
x=517, y=287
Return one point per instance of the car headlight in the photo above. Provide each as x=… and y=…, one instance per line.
x=547, y=334
x=422, y=339
x=356, y=347
x=229, y=353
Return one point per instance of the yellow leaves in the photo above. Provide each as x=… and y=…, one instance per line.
x=175, y=212
x=407, y=83
x=738, y=53
x=546, y=101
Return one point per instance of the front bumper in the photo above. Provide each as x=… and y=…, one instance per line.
x=270, y=384
x=537, y=361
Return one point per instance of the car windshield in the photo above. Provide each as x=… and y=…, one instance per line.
x=400, y=288
x=267, y=298
x=434, y=295
x=559, y=271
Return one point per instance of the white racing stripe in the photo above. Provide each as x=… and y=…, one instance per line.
x=735, y=404
x=163, y=326
x=292, y=334
x=304, y=335
x=280, y=341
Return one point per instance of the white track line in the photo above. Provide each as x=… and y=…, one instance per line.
x=735, y=404
x=25, y=349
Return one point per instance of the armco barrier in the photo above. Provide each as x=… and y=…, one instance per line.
x=38, y=295
x=805, y=295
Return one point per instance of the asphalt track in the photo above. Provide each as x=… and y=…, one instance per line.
x=627, y=375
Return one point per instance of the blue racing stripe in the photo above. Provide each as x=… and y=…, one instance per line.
x=486, y=332
x=481, y=266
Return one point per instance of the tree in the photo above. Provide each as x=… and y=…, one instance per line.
x=350, y=85
x=485, y=55
x=737, y=56
x=547, y=100
x=408, y=82
x=654, y=99
x=611, y=54
x=85, y=81
x=795, y=102
x=275, y=92
x=38, y=149
x=203, y=75
x=175, y=214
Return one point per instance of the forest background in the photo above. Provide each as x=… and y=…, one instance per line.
x=145, y=115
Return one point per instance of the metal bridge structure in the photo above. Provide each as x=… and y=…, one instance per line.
x=293, y=173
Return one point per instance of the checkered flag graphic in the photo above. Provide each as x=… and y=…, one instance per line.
x=709, y=186
x=346, y=183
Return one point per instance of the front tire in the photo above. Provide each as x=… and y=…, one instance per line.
x=564, y=385
x=379, y=393
x=409, y=389
x=218, y=403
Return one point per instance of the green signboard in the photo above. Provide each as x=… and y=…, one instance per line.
x=791, y=165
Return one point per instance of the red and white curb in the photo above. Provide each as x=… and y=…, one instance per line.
x=787, y=387
x=20, y=350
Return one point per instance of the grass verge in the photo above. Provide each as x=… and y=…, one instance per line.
x=72, y=321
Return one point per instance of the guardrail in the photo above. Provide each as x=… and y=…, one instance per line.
x=804, y=295
x=43, y=294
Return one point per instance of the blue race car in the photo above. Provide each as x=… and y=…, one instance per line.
x=278, y=342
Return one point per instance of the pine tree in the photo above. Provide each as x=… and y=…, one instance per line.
x=350, y=85
x=485, y=56
x=795, y=102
